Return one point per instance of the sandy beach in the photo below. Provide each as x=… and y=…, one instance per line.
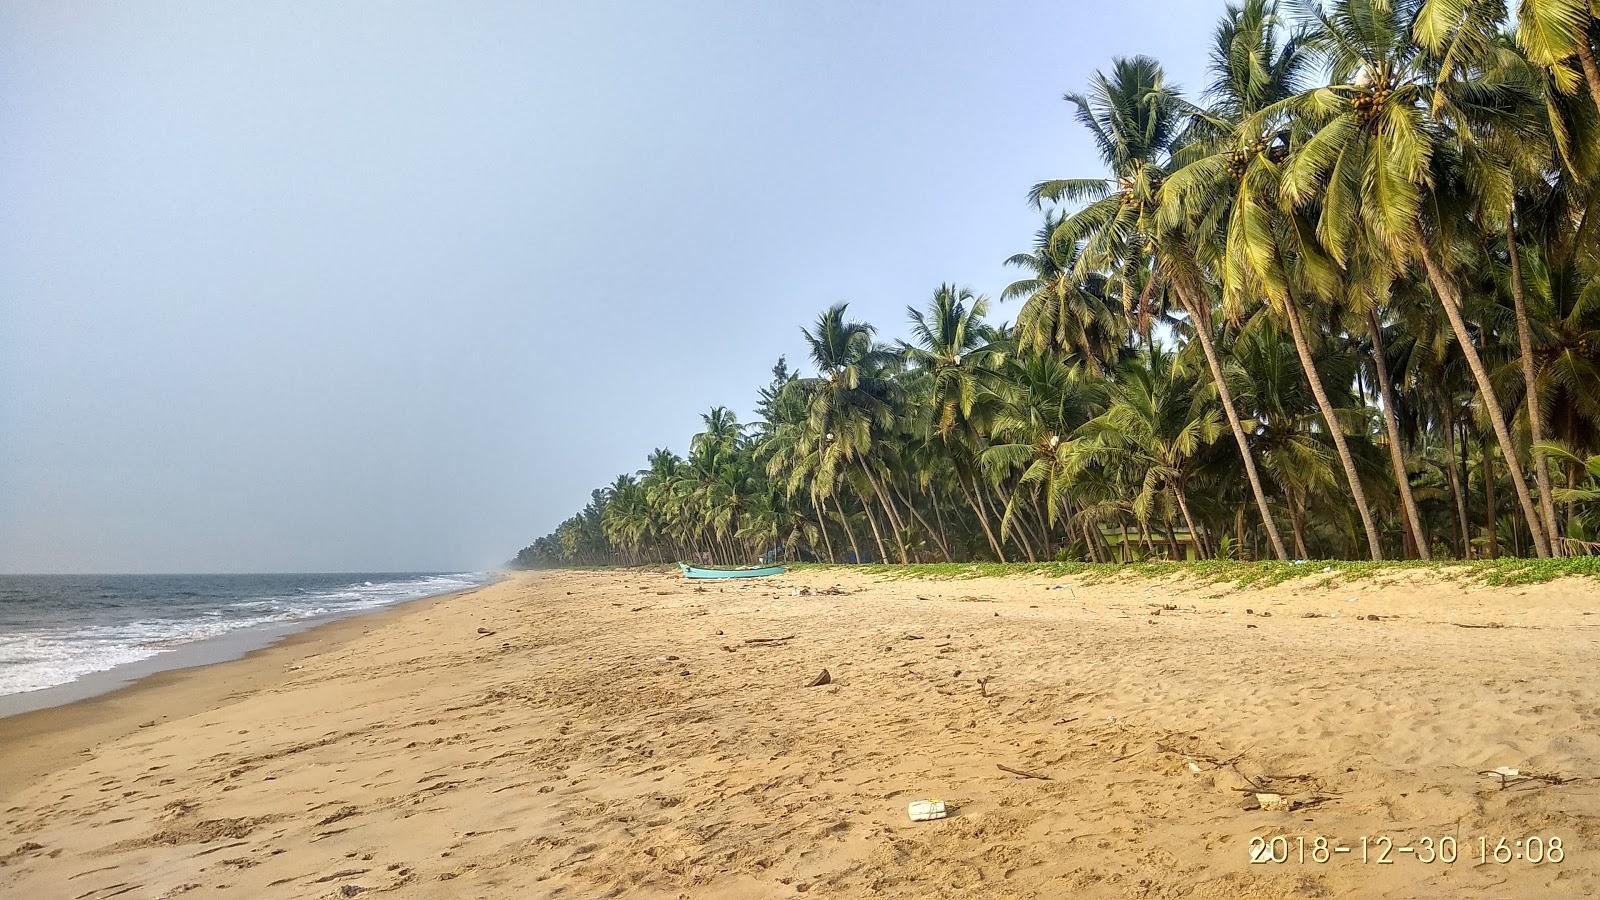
x=610, y=734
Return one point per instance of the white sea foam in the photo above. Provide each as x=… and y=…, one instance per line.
x=39, y=654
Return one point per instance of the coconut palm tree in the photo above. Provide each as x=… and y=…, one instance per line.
x=1555, y=32
x=853, y=403
x=1041, y=400
x=1383, y=179
x=1226, y=195
x=1064, y=309
x=1156, y=423
x=1135, y=120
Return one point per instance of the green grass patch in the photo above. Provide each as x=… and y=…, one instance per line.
x=1498, y=572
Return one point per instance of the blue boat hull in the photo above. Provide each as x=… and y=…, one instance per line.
x=759, y=572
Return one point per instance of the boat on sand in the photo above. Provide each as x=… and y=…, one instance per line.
x=745, y=572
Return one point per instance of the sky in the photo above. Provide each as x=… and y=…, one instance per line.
x=392, y=286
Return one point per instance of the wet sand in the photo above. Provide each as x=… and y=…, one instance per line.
x=617, y=734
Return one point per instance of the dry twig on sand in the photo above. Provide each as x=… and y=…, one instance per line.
x=776, y=640
x=1020, y=773
x=1511, y=777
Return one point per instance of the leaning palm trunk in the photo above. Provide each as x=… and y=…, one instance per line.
x=1045, y=528
x=1491, y=505
x=822, y=525
x=1194, y=533
x=1458, y=481
x=1226, y=396
x=975, y=500
x=1391, y=424
x=1297, y=523
x=1451, y=301
x=933, y=533
x=1017, y=534
x=1530, y=383
x=1591, y=71
x=1089, y=542
x=895, y=525
x=848, y=531
x=877, y=538
x=938, y=516
x=1357, y=493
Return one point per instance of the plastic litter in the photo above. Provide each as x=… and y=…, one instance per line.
x=1274, y=802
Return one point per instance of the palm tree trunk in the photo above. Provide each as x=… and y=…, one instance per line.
x=894, y=521
x=1452, y=308
x=890, y=495
x=1591, y=70
x=822, y=523
x=1456, y=466
x=1036, y=524
x=976, y=502
x=938, y=516
x=1194, y=533
x=1391, y=424
x=1572, y=485
x=1297, y=519
x=849, y=532
x=1530, y=383
x=1490, y=502
x=932, y=532
x=866, y=509
x=1018, y=534
x=1226, y=396
x=1335, y=431
x=1043, y=521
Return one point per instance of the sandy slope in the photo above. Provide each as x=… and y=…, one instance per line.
x=616, y=736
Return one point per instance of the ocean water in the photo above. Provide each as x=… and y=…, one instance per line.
x=56, y=629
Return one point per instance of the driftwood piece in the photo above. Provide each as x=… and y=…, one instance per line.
x=776, y=640
x=1022, y=774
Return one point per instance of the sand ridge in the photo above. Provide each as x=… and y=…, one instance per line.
x=591, y=734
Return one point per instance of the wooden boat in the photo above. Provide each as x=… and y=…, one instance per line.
x=747, y=572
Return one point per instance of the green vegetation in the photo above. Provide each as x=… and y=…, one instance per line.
x=1505, y=571
x=1343, y=303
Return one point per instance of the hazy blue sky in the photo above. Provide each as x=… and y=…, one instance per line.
x=337, y=286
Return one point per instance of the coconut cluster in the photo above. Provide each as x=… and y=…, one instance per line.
x=1239, y=159
x=1368, y=104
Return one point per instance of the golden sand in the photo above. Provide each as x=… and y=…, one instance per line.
x=617, y=735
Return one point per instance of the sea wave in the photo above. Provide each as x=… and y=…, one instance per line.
x=52, y=635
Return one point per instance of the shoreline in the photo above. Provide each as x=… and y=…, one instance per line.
x=30, y=736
